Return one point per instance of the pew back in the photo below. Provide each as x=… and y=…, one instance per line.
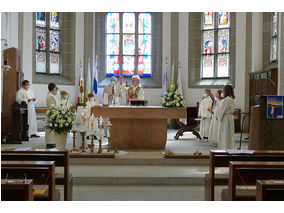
x=60, y=156
x=221, y=158
x=250, y=171
x=42, y=173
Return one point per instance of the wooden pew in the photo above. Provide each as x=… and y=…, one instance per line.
x=270, y=190
x=42, y=172
x=220, y=158
x=18, y=190
x=42, y=111
x=250, y=171
x=60, y=156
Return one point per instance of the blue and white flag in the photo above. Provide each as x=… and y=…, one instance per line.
x=95, y=81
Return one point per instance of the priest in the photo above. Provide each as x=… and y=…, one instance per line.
x=25, y=94
x=112, y=90
x=51, y=100
x=135, y=92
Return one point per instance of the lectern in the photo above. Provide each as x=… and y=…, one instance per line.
x=11, y=83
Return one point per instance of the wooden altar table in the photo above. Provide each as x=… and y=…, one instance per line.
x=139, y=127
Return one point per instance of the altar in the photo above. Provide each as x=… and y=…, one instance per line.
x=138, y=127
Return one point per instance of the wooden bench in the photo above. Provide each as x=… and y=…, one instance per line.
x=270, y=190
x=221, y=158
x=248, y=172
x=42, y=173
x=60, y=156
x=18, y=190
x=42, y=111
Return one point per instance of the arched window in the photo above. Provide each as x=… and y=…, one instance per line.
x=274, y=37
x=215, y=50
x=128, y=44
x=47, y=42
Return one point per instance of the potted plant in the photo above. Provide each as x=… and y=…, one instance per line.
x=59, y=120
x=173, y=98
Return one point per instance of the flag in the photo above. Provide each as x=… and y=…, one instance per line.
x=165, y=78
x=95, y=80
x=173, y=73
x=172, y=85
x=89, y=80
x=79, y=83
x=179, y=81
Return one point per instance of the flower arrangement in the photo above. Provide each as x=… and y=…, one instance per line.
x=59, y=118
x=173, y=98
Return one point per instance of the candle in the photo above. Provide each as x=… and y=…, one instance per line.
x=92, y=123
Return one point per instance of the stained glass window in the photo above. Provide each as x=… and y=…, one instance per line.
x=41, y=62
x=208, y=20
x=40, y=19
x=40, y=39
x=223, y=65
x=208, y=42
x=54, y=20
x=274, y=37
x=223, y=19
x=113, y=23
x=54, y=41
x=54, y=63
x=47, y=56
x=129, y=45
x=223, y=41
x=215, y=51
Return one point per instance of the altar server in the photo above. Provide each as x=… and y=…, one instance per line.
x=204, y=113
x=112, y=91
x=25, y=94
x=51, y=100
x=213, y=136
x=225, y=116
x=64, y=98
x=135, y=92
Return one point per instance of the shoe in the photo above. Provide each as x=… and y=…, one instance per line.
x=35, y=136
x=50, y=146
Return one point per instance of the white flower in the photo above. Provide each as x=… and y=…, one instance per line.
x=50, y=124
x=55, y=125
x=178, y=104
x=66, y=124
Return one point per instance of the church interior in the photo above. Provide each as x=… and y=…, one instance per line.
x=142, y=106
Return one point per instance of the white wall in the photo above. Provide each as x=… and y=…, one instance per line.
x=257, y=41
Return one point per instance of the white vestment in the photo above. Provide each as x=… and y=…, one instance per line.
x=135, y=90
x=226, y=129
x=23, y=96
x=214, y=126
x=113, y=92
x=203, y=112
x=49, y=135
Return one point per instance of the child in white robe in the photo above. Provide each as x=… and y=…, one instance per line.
x=214, y=126
x=225, y=116
x=204, y=113
x=64, y=98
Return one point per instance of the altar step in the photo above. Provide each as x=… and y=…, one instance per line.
x=143, y=161
x=138, y=175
